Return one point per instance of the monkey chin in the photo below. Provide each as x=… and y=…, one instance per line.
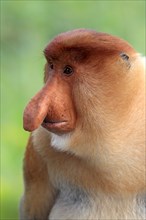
x=60, y=133
x=60, y=142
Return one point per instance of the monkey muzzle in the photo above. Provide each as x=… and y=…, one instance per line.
x=52, y=107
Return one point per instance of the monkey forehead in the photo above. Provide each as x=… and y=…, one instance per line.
x=88, y=41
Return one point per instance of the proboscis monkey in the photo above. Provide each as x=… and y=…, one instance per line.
x=85, y=157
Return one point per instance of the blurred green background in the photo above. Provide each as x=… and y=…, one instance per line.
x=26, y=27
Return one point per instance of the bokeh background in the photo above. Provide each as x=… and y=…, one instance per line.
x=26, y=27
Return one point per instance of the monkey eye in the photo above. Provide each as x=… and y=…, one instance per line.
x=68, y=70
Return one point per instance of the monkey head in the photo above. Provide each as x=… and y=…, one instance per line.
x=91, y=82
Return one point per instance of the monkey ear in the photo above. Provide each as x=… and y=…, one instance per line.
x=126, y=58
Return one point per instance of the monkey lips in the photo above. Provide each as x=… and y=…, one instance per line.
x=56, y=126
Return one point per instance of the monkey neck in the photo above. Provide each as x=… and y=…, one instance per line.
x=110, y=168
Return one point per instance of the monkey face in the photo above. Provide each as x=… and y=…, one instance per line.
x=81, y=67
x=52, y=107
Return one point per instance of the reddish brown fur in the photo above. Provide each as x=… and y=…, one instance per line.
x=35, y=169
x=103, y=104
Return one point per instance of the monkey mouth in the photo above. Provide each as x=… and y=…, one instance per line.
x=55, y=126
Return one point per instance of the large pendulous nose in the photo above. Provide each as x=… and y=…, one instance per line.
x=36, y=110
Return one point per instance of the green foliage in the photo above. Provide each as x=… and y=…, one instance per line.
x=26, y=27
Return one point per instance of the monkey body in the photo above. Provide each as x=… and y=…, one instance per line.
x=85, y=158
x=80, y=193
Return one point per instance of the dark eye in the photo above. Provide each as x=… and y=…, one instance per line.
x=68, y=70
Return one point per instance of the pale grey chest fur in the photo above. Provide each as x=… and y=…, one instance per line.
x=75, y=204
x=72, y=203
x=72, y=196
